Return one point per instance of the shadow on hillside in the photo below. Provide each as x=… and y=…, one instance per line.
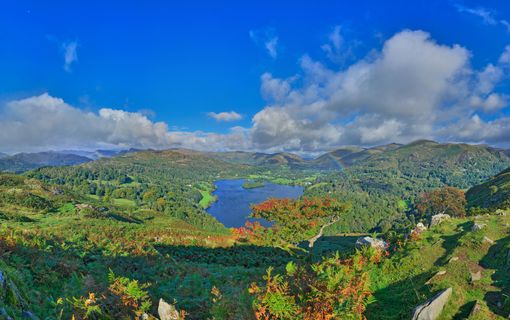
x=398, y=300
x=451, y=242
x=185, y=274
x=464, y=311
x=327, y=245
x=248, y=256
x=498, y=258
x=126, y=219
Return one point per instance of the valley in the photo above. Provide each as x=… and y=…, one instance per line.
x=110, y=237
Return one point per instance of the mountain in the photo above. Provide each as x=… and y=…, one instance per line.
x=28, y=161
x=494, y=193
x=460, y=165
x=3, y=155
x=347, y=156
x=259, y=158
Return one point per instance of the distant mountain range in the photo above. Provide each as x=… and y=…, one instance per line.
x=424, y=152
x=27, y=161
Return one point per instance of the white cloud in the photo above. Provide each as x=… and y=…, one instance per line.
x=266, y=38
x=225, y=116
x=413, y=87
x=271, y=47
x=488, y=16
x=70, y=54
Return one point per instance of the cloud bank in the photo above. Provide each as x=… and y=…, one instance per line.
x=412, y=88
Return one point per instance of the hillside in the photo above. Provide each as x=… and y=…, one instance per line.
x=346, y=157
x=57, y=245
x=448, y=255
x=381, y=186
x=22, y=162
x=494, y=193
x=260, y=159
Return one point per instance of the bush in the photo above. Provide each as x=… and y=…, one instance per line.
x=330, y=289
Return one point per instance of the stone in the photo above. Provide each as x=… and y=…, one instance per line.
x=420, y=226
x=477, y=226
x=453, y=259
x=488, y=240
x=508, y=257
x=419, y=229
x=431, y=309
x=476, y=276
x=371, y=242
x=167, y=311
x=438, y=218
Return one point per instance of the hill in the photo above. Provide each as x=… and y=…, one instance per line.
x=260, y=159
x=382, y=185
x=494, y=193
x=345, y=157
x=58, y=247
x=473, y=263
x=28, y=161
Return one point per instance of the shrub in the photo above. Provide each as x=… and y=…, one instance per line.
x=331, y=289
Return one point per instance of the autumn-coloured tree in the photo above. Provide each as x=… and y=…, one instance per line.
x=330, y=289
x=295, y=220
x=447, y=200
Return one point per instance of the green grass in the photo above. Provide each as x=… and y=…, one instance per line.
x=400, y=281
x=124, y=202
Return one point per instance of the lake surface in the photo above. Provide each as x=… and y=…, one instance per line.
x=233, y=205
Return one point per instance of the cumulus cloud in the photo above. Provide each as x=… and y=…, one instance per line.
x=45, y=122
x=70, y=54
x=412, y=88
x=225, y=116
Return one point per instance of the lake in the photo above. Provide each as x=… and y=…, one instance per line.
x=233, y=205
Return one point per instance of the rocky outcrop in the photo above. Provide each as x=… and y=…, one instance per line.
x=371, y=242
x=167, y=311
x=431, y=309
x=477, y=226
x=438, y=218
x=475, y=276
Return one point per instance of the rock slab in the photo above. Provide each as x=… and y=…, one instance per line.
x=167, y=311
x=371, y=242
x=438, y=218
x=431, y=309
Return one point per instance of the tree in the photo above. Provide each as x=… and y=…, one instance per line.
x=447, y=200
x=296, y=220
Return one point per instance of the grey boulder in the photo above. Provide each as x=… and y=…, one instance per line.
x=432, y=308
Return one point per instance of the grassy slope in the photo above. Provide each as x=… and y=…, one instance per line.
x=400, y=282
x=492, y=193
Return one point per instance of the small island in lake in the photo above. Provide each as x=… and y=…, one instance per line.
x=253, y=184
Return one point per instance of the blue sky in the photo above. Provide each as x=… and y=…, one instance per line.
x=179, y=71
